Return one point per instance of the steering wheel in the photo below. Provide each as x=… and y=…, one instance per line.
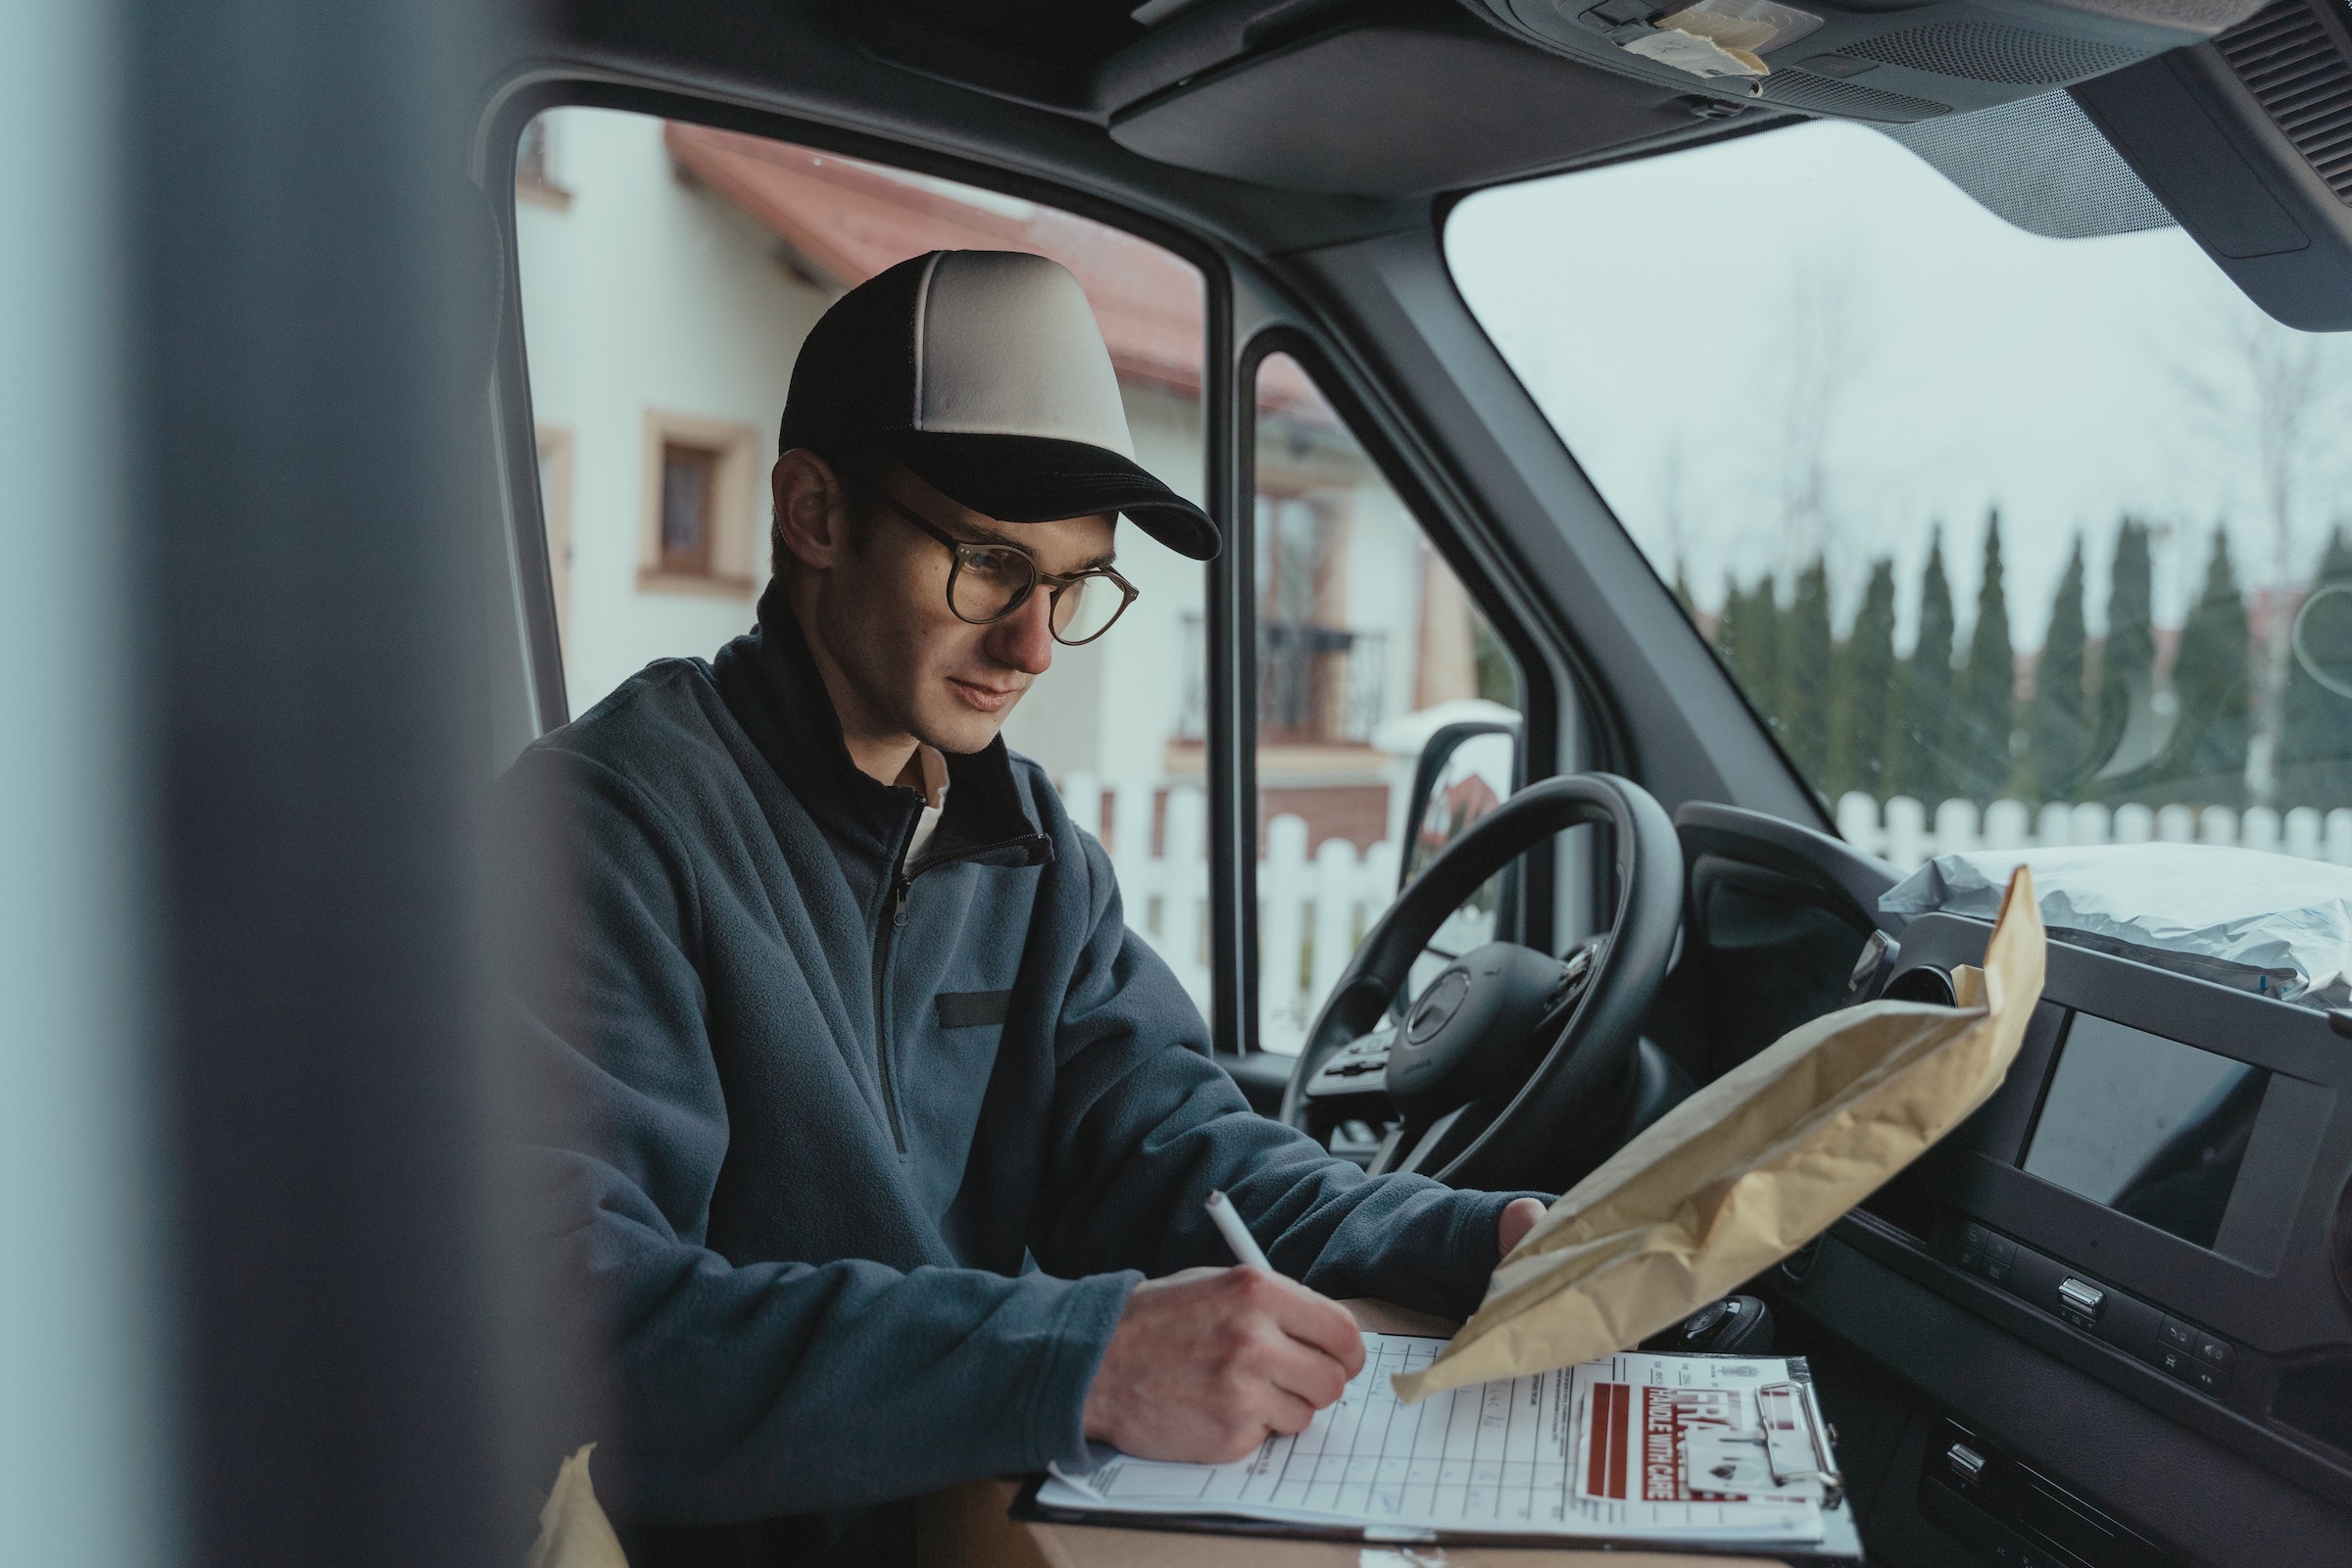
x=1512, y=1068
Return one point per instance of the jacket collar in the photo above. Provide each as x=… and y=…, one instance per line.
x=771, y=683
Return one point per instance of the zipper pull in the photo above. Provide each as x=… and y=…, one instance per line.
x=897, y=915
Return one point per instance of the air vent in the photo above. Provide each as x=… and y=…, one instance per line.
x=1802, y=89
x=1985, y=53
x=2290, y=62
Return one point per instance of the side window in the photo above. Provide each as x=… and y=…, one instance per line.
x=1367, y=645
x=669, y=272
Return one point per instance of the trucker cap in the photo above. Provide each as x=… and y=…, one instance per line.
x=985, y=373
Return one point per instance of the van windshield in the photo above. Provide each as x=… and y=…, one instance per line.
x=2011, y=540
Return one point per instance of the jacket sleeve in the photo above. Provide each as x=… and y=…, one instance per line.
x=1147, y=1124
x=768, y=1389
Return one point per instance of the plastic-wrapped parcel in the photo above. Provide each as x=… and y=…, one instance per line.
x=2273, y=924
x=1750, y=1169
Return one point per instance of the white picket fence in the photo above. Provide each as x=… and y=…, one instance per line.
x=1901, y=831
x=1312, y=909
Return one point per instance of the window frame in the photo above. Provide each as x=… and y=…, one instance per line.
x=1229, y=420
x=1534, y=917
x=732, y=561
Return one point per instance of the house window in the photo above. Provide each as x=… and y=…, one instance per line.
x=1318, y=680
x=689, y=486
x=702, y=531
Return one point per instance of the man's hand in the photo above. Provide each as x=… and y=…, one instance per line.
x=1205, y=1363
x=1519, y=1216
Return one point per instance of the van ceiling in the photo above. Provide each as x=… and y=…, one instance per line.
x=1374, y=97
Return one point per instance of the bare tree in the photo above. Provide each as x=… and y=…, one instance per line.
x=2276, y=401
x=1820, y=362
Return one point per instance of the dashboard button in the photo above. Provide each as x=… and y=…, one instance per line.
x=2177, y=1362
x=2210, y=1379
x=2080, y=1301
x=2174, y=1335
x=2215, y=1352
x=1975, y=1243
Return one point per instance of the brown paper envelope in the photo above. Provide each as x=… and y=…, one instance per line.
x=1749, y=1169
x=573, y=1532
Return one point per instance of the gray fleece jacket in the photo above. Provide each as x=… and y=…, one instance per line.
x=865, y=1156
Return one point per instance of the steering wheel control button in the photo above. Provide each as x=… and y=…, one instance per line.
x=2080, y=1301
x=1354, y=1068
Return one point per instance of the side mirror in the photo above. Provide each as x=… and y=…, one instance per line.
x=1466, y=769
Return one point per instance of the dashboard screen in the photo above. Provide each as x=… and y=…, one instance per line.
x=2148, y=1126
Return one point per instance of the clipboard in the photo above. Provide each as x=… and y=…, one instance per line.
x=1615, y=1455
x=1839, y=1547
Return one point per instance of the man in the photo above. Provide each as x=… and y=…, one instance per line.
x=893, y=1138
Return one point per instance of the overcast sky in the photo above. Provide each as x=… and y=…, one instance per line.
x=1684, y=320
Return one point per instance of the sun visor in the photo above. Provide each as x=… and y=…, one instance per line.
x=2247, y=140
x=1862, y=61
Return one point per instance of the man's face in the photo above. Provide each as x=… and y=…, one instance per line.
x=916, y=667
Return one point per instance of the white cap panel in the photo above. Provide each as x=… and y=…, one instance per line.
x=1006, y=345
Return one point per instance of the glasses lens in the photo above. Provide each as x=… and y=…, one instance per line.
x=991, y=580
x=1086, y=608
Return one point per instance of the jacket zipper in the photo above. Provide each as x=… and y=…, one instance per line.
x=884, y=938
x=902, y=879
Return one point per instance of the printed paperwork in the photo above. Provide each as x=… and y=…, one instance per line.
x=1750, y=1169
x=1650, y=1449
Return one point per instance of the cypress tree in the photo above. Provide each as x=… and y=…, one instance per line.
x=1867, y=691
x=1728, y=628
x=1985, y=708
x=2314, y=766
x=1805, y=670
x=2128, y=662
x=2058, y=719
x=1748, y=639
x=1918, y=746
x=2204, y=758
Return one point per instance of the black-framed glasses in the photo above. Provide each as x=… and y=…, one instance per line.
x=990, y=581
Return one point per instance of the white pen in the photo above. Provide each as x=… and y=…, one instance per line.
x=1236, y=1235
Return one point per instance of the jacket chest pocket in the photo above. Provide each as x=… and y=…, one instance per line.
x=972, y=1009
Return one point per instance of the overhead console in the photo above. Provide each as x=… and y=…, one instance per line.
x=2236, y=118
x=1857, y=60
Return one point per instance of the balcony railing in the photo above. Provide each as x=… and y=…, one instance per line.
x=1316, y=685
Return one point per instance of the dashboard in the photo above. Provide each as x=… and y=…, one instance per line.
x=2109, y=1319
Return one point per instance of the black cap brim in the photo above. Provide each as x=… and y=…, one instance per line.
x=1018, y=478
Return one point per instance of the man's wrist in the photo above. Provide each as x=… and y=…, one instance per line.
x=1090, y=1316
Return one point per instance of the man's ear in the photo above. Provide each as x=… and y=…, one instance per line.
x=811, y=519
